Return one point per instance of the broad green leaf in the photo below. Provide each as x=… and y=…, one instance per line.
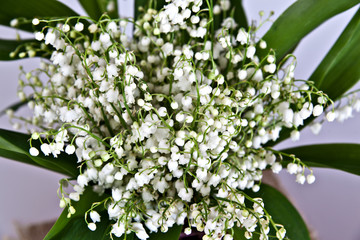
x=78, y=229
x=130, y=236
x=8, y=46
x=239, y=234
x=17, y=156
x=138, y=4
x=300, y=19
x=239, y=13
x=75, y=227
x=172, y=234
x=29, y=9
x=15, y=146
x=18, y=46
x=96, y=8
x=340, y=156
x=340, y=69
x=157, y=4
x=283, y=212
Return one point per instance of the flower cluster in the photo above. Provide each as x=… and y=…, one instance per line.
x=172, y=122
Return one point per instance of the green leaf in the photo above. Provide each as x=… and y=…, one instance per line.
x=19, y=46
x=239, y=234
x=15, y=146
x=17, y=156
x=138, y=4
x=130, y=236
x=30, y=9
x=172, y=234
x=76, y=227
x=340, y=70
x=342, y=156
x=300, y=19
x=239, y=13
x=283, y=212
x=8, y=46
x=96, y=8
x=156, y=4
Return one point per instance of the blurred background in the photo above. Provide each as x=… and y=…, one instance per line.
x=329, y=206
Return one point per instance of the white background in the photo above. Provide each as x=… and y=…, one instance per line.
x=330, y=205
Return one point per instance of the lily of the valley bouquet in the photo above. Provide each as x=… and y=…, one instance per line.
x=167, y=131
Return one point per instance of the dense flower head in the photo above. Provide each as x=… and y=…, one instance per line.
x=172, y=122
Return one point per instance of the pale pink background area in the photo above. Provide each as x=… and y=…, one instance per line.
x=330, y=205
